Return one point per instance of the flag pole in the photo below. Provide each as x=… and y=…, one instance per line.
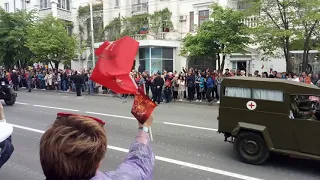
x=150, y=134
x=92, y=34
x=145, y=92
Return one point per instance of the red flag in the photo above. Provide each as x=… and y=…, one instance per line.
x=101, y=48
x=114, y=65
x=142, y=107
x=122, y=84
x=117, y=57
x=142, y=88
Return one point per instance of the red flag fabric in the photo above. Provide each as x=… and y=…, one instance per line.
x=142, y=88
x=122, y=84
x=114, y=65
x=101, y=48
x=142, y=107
x=117, y=57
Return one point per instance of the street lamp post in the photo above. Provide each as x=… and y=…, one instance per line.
x=92, y=34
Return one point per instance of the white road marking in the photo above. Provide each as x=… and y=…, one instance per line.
x=122, y=117
x=28, y=129
x=189, y=126
x=109, y=115
x=22, y=103
x=164, y=159
x=50, y=107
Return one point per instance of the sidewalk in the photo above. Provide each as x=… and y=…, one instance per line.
x=112, y=96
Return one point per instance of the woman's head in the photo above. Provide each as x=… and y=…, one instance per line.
x=72, y=148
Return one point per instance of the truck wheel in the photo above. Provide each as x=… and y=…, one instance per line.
x=10, y=101
x=251, y=148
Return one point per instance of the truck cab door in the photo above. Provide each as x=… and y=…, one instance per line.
x=307, y=134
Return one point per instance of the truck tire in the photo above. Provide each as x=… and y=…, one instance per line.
x=251, y=148
x=10, y=101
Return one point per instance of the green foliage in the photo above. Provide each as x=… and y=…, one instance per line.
x=113, y=29
x=85, y=22
x=272, y=31
x=49, y=41
x=13, y=35
x=224, y=35
x=133, y=24
x=160, y=20
x=85, y=10
x=128, y=26
x=284, y=25
x=307, y=26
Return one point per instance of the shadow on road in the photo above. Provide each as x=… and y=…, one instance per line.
x=295, y=165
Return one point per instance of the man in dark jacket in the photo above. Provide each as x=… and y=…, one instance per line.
x=78, y=81
x=14, y=79
x=158, y=83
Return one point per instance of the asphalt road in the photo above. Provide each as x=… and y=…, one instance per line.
x=185, y=140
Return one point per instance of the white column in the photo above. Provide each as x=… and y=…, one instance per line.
x=54, y=8
x=196, y=17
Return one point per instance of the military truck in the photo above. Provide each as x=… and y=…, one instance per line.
x=264, y=115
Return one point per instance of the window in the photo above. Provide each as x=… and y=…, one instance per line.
x=6, y=6
x=117, y=3
x=203, y=16
x=167, y=53
x=64, y=4
x=265, y=94
x=191, y=21
x=167, y=65
x=238, y=92
x=44, y=4
x=161, y=59
x=59, y=4
x=68, y=4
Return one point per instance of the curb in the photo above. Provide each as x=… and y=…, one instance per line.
x=111, y=96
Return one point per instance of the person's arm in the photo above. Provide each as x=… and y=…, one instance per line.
x=2, y=118
x=139, y=162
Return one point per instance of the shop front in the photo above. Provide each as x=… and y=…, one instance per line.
x=154, y=59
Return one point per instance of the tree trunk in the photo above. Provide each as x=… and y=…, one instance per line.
x=56, y=65
x=219, y=62
x=51, y=65
x=305, y=55
x=222, y=63
x=289, y=63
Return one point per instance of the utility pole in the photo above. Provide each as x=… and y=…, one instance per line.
x=92, y=35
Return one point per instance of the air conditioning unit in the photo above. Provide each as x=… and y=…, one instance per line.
x=183, y=18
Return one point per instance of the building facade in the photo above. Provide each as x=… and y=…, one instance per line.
x=162, y=51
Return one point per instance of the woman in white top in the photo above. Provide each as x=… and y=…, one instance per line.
x=295, y=78
x=181, y=88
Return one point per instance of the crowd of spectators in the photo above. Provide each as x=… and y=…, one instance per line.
x=186, y=85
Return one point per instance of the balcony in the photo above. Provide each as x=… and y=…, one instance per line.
x=168, y=36
x=139, y=8
x=64, y=14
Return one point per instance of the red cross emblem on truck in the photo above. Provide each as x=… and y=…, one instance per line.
x=251, y=105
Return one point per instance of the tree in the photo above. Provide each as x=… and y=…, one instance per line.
x=50, y=41
x=307, y=25
x=282, y=22
x=13, y=35
x=224, y=35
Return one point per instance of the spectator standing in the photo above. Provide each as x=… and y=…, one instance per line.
x=158, y=83
x=182, y=87
x=78, y=81
x=210, y=84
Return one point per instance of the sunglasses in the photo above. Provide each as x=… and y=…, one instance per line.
x=62, y=114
